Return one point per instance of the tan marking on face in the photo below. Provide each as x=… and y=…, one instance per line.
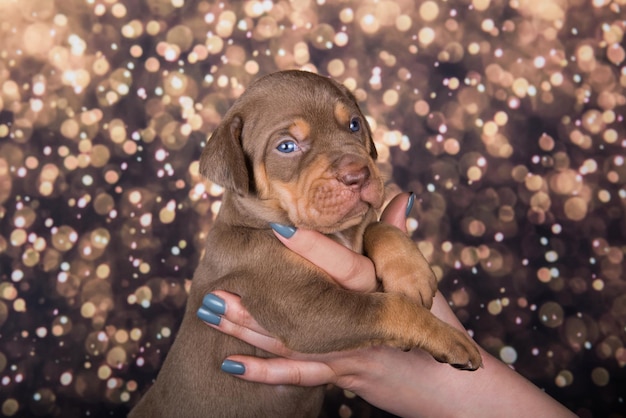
x=261, y=180
x=342, y=113
x=294, y=195
x=300, y=129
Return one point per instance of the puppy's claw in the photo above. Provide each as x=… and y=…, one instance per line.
x=468, y=366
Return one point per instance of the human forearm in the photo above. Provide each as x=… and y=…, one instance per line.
x=409, y=384
x=397, y=382
x=448, y=392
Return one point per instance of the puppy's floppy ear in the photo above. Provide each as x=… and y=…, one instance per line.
x=223, y=160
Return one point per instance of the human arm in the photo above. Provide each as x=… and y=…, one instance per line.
x=404, y=383
x=408, y=384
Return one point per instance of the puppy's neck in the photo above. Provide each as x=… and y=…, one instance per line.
x=351, y=238
x=248, y=212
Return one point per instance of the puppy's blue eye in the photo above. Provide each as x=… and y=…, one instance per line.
x=355, y=125
x=287, y=147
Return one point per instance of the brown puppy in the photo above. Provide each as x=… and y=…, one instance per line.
x=295, y=149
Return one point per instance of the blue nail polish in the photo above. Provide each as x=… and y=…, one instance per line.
x=233, y=367
x=283, y=230
x=214, y=303
x=409, y=204
x=208, y=316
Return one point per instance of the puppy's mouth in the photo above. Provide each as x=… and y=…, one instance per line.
x=341, y=198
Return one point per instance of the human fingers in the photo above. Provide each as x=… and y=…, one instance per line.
x=398, y=210
x=349, y=269
x=223, y=311
x=279, y=371
x=352, y=271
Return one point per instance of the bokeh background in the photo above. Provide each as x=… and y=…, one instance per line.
x=505, y=117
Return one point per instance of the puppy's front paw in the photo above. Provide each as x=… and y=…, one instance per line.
x=407, y=325
x=412, y=277
x=400, y=264
x=455, y=348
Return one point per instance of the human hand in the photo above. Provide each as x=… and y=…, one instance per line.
x=404, y=383
x=349, y=269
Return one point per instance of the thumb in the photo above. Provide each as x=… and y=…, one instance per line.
x=398, y=209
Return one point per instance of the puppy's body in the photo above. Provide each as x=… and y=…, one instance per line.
x=295, y=149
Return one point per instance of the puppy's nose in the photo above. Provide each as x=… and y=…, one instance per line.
x=353, y=172
x=355, y=178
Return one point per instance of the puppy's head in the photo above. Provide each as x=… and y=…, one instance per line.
x=296, y=147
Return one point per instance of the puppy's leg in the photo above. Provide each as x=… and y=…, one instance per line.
x=445, y=343
x=311, y=314
x=404, y=270
x=399, y=263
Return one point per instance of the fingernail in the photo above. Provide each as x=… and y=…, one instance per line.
x=208, y=316
x=233, y=367
x=214, y=303
x=409, y=204
x=283, y=230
